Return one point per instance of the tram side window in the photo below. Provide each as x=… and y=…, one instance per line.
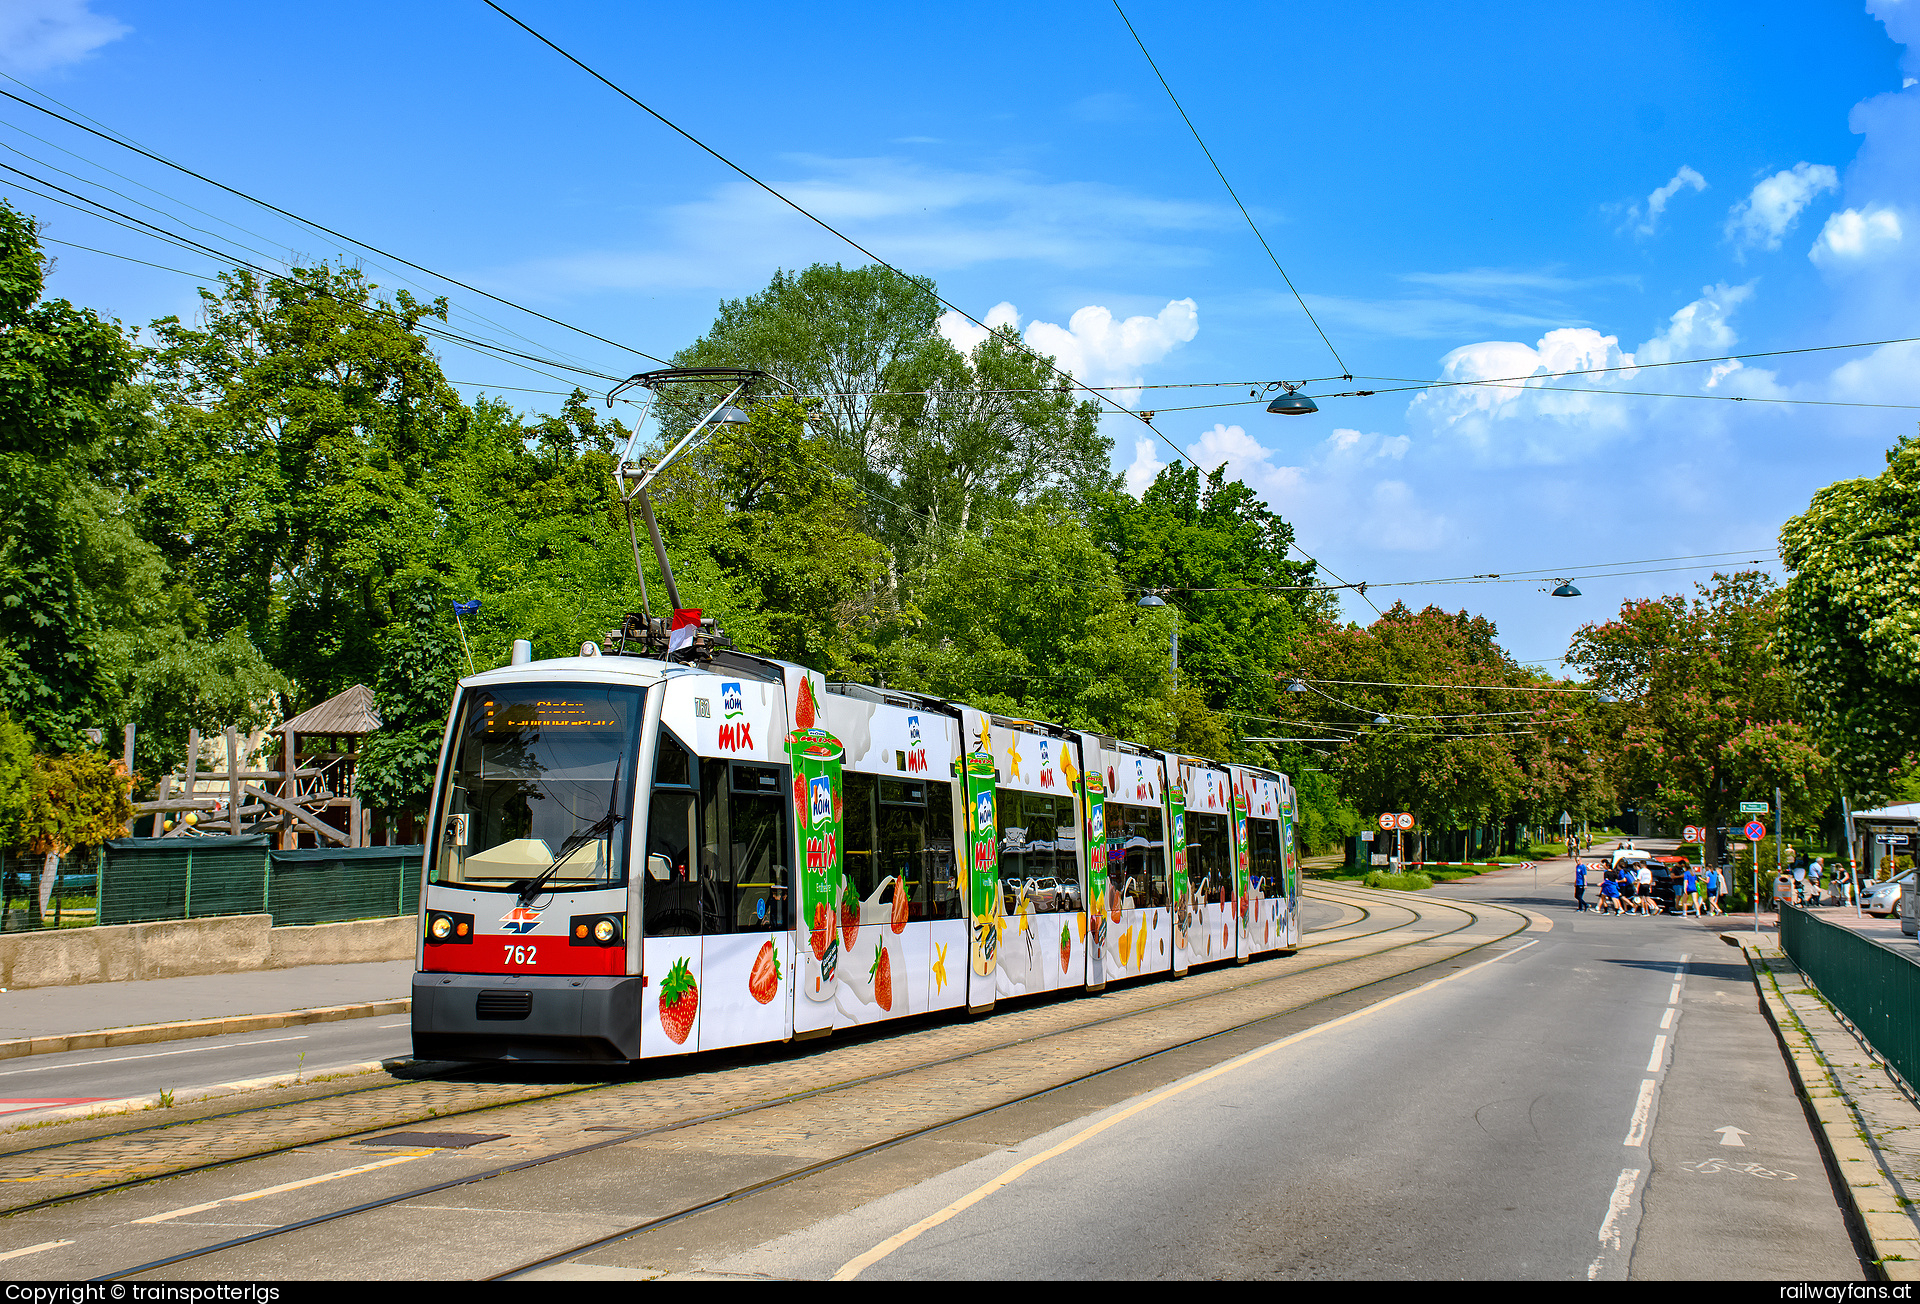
x=1137, y=854
x=1263, y=839
x=1210, y=858
x=856, y=840
x=759, y=875
x=672, y=889
x=939, y=896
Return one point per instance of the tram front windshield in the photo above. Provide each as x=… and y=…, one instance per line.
x=540, y=791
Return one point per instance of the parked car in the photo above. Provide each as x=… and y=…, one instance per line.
x=1883, y=899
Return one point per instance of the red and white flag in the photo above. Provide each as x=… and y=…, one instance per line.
x=686, y=623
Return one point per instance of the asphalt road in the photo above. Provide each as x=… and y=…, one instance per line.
x=34, y=1082
x=1554, y=1114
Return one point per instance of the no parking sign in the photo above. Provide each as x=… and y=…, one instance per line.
x=1756, y=831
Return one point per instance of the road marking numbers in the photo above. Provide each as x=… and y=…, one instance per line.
x=34, y=1249
x=171, y=1214
x=1707, y=1166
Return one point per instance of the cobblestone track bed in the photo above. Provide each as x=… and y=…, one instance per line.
x=791, y=1118
x=64, y=1171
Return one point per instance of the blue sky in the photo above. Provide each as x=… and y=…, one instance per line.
x=1461, y=193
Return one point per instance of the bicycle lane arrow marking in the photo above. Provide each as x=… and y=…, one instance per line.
x=1730, y=1136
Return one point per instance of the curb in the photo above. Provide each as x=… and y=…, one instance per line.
x=147, y=1033
x=1876, y=1208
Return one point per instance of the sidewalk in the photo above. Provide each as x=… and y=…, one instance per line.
x=54, y=1012
x=1868, y=1125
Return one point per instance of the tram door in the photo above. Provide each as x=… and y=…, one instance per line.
x=716, y=920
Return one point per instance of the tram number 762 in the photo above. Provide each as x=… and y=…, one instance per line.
x=521, y=955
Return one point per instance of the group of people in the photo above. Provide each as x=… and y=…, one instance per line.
x=1806, y=885
x=1626, y=888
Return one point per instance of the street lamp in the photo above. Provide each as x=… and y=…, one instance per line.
x=1566, y=590
x=1154, y=600
x=1291, y=404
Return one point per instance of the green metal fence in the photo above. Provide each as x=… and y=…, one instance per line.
x=146, y=879
x=1876, y=987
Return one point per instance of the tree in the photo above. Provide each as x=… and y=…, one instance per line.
x=420, y=665
x=980, y=434
x=16, y=780
x=1218, y=555
x=1850, y=622
x=836, y=336
x=1028, y=618
x=300, y=420
x=1708, y=715
x=78, y=799
x=60, y=367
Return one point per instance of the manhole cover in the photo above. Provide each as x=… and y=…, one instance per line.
x=433, y=1140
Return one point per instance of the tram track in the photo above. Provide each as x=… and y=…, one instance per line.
x=1370, y=925
x=439, y=1109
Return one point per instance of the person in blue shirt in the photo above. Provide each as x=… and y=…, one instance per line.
x=1689, y=895
x=1580, y=885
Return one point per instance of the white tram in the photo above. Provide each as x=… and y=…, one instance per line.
x=631, y=858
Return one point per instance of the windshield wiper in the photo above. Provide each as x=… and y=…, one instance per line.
x=529, y=888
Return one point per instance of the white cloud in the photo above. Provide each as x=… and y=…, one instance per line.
x=1145, y=466
x=1657, y=201
x=1776, y=203
x=1093, y=346
x=1559, y=418
x=1853, y=236
x=930, y=219
x=37, y=35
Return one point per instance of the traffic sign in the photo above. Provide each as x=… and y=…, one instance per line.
x=1403, y=820
x=1754, y=808
x=1692, y=834
x=1756, y=830
x=1386, y=821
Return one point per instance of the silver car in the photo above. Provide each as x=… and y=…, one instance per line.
x=1883, y=899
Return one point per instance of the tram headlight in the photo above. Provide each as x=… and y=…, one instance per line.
x=443, y=926
x=597, y=930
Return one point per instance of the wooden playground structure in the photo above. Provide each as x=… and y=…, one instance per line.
x=311, y=795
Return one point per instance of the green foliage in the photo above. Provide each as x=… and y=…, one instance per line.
x=16, y=780
x=1397, y=882
x=299, y=421
x=1029, y=618
x=1850, y=622
x=1709, y=716
x=420, y=663
x=78, y=799
x=59, y=369
x=1466, y=753
x=181, y=683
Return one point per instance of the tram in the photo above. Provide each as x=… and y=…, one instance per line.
x=675, y=846
x=633, y=856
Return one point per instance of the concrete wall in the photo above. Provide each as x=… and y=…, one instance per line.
x=181, y=948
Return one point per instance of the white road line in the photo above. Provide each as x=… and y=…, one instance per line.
x=384, y=1026
x=854, y=1267
x=1659, y=1053
x=121, y=1059
x=1637, y=1129
x=1620, y=1202
x=171, y=1214
x=1666, y=1019
x=34, y=1249
x=1673, y=997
